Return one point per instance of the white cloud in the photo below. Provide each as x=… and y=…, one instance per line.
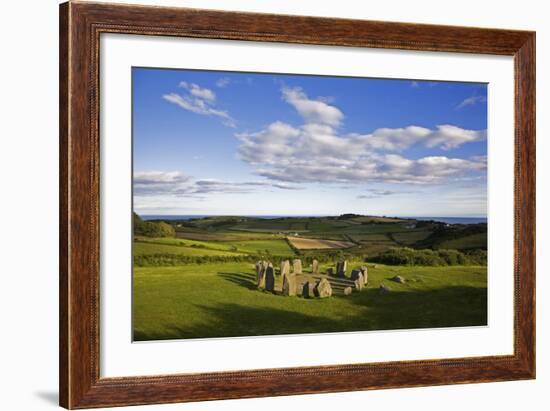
x=470, y=101
x=151, y=182
x=175, y=183
x=159, y=177
x=377, y=193
x=447, y=137
x=199, y=100
x=317, y=152
x=312, y=111
x=199, y=92
x=223, y=82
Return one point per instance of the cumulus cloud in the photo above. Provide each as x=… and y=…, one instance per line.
x=199, y=92
x=312, y=111
x=199, y=100
x=471, y=101
x=154, y=183
x=317, y=152
x=448, y=137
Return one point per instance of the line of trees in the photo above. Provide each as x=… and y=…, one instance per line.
x=427, y=257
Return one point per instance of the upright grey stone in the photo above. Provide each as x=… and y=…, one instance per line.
x=297, y=266
x=322, y=288
x=355, y=274
x=315, y=267
x=359, y=282
x=285, y=267
x=330, y=271
x=365, y=272
x=269, y=279
x=341, y=268
x=289, y=285
x=348, y=291
x=308, y=290
x=260, y=274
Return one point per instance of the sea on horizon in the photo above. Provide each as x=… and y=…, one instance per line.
x=446, y=220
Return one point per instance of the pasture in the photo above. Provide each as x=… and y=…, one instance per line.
x=221, y=300
x=201, y=283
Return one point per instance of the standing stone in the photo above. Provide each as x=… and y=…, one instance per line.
x=315, y=267
x=308, y=290
x=347, y=291
x=269, y=279
x=297, y=266
x=365, y=273
x=322, y=288
x=260, y=274
x=330, y=271
x=355, y=275
x=289, y=285
x=285, y=267
x=359, y=282
x=341, y=268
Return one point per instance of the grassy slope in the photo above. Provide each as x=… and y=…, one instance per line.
x=220, y=300
x=467, y=242
x=206, y=248
x=148, y=248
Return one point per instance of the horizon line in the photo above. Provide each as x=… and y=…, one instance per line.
x=312, y=215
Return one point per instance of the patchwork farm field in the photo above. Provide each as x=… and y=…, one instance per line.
x=317, y=244
x=199, y=280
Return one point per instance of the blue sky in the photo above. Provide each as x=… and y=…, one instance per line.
x=229, y=143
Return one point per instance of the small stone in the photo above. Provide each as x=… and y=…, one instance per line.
x=323, y=289
x=348, y=291
x=330, y=271
x=398, y=279
x=269, y=279
x=315, y=267
x=297, y=266
x=384, y=289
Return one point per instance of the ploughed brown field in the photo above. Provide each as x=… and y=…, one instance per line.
x=317, y=244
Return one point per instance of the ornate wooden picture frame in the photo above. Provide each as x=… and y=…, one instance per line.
x=81, y=25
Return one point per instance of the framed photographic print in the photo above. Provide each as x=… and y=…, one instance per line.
x=257, y=205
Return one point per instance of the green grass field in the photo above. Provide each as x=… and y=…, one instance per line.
x=221, y=300
x=201, y=283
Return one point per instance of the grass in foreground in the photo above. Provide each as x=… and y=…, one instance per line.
x=221, y=300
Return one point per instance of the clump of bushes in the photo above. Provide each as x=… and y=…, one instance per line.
x=427, y=257
x=152, y=228
x=158, y=260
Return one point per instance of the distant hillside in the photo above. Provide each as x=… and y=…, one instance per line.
x=457, y=237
